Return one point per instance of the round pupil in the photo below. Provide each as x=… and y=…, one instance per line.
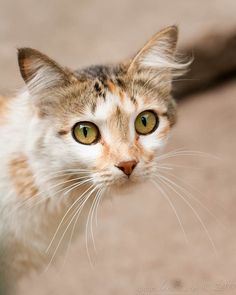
x=85, y=131
x=144, y=121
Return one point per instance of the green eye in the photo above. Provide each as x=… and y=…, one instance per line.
x=146, y=122
x=86, y=133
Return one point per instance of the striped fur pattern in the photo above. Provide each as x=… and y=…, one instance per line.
x=40, y=160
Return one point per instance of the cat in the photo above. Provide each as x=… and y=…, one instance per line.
x=69, y=136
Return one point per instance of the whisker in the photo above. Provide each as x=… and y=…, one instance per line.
x=28, y=200
x=98, y=202
x=75, y=185
x=186, y=153
x=64, y=170
x=74, y=213
x=168, y=183
x=191, y=196
x=47, y=197
x=164, y=167
x=173, y=208
x=67, y=227
x=60, y=175
x=87, y=224
x=93, y=207
x=62, y=220
x=78, y=212
x=67, y=181
x=170, y=166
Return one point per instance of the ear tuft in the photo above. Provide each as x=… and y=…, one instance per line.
x=159, y=52
x=39, y=71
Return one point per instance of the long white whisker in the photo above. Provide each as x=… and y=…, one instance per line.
x=190, y=195
x=74, y=170
x=173, y=208
x=170, y=166
x=59, y=243
x=60, y=175
x=42, y=199
x=91, y=212
x=62, y=183
x=98, y=202
x=87, y=224
x=74, y=186
x=62, y=220
x=167, y=182
x=28, y=200
x=185, y=153
x=77, y=212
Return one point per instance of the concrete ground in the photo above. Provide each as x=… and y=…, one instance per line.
x=141, y=248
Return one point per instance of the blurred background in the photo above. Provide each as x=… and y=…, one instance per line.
x=141, y=248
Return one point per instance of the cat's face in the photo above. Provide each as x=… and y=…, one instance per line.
x=114, y=135
x=108, y=121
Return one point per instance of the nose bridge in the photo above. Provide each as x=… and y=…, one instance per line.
x=118, y=124
x=122, y=143
x=122, y=151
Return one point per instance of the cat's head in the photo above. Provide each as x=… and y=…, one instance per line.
x=106, y=122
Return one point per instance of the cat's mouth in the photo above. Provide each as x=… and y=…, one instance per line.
x=127, y=185
x=113, y=179
x=129, y=181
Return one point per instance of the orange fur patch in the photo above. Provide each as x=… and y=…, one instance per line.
x=115, y=90
x=3, y=109
x=22, y=177
x=111, y=86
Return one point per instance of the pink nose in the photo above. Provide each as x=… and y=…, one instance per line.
x=127, y=166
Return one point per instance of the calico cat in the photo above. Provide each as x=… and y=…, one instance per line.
x=71, y=135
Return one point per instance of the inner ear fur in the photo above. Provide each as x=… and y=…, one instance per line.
x=159, y=54
x=37, y=66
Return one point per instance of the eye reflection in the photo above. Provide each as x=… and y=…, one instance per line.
x=146, y=122
x=86, y=133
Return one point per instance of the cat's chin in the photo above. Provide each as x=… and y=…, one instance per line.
x=127, y=185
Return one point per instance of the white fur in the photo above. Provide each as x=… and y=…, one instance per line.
x=157, y=57
x=27, y=231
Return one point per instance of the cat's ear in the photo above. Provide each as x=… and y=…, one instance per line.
x=158, y=52
x=41, y=72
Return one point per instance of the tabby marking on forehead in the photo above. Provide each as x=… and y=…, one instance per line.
x=118, y=124
x=111, y=86
x=22, y=177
